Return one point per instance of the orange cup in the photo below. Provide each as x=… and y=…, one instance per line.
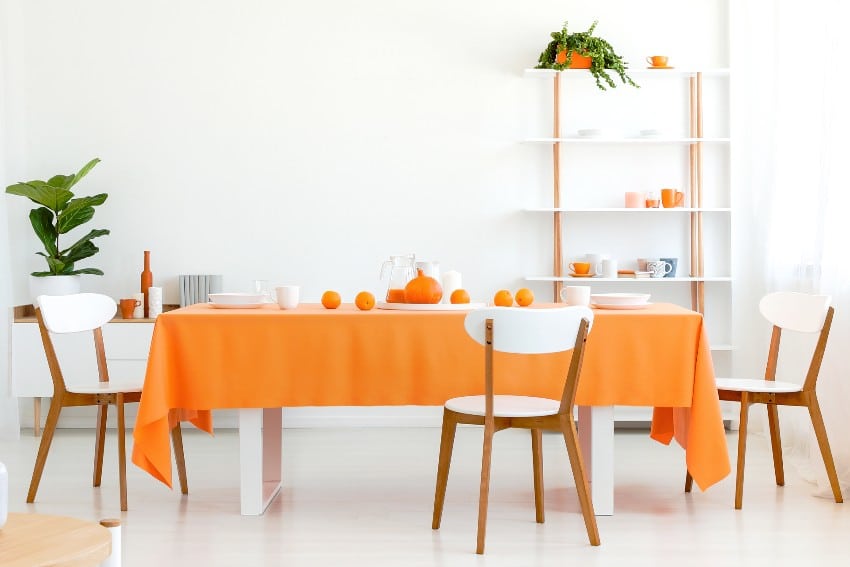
x=671, y=198
x=657, y=60
x=580, y=268
x=128, y=306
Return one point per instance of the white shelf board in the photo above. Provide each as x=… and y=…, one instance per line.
x=637, y=71
x=721, y=347
x=635, y=140
x=627, y=280
x=629, y=210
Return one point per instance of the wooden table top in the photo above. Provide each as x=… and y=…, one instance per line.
x=33, y=540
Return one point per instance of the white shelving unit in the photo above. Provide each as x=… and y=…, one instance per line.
x=589, y=176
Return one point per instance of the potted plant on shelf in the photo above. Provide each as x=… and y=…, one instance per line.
x=583, y=50
x=58, y=213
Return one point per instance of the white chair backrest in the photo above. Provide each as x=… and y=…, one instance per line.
x=525, y=330
x=800, y=312
x=77, y=312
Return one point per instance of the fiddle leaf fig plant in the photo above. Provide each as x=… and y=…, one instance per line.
x=59, y=213
x=559, y=54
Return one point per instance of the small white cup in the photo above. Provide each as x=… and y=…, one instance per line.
x=609, y=268
x=287, y=296
x=658, y=268
x=576, y=294
x=595, y=262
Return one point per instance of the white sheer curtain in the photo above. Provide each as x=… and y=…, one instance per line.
x=790, y=95
x=9, y=425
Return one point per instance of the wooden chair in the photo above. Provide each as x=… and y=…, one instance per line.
x=786, y=311
x=524, y=331
x=81, y=313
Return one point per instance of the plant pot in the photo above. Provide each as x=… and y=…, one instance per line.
x=54, y=285
x=577, y=62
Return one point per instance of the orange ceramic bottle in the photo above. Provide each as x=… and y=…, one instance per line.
x=147, y=279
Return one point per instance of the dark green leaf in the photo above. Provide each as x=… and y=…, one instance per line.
x=71, y=218
x=42, y=223
x=58, y=267
x=93, y=271
x=92, y=234
x=54, y=198
x=80, y=251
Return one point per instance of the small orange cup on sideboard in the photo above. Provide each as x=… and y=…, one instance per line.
x=128, y=306
x=657, y=60
x=672, y=198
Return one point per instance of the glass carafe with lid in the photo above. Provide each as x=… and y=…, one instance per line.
x=400, y=269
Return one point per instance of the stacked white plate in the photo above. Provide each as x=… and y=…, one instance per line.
x=236, y=300
x=620, y=300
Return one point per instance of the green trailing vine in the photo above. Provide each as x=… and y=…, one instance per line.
x=602, y=54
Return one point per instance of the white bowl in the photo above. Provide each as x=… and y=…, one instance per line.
x=590, y=132
x=236, y=298
x=619, y=298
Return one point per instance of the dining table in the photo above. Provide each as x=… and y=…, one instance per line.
x=260, y=360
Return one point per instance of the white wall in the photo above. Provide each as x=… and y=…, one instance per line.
x=301, y=141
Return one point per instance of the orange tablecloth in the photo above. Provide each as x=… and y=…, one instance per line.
x=203, y=358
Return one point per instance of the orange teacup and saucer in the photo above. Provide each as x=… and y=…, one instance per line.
x=580, y=269
x=658, y=62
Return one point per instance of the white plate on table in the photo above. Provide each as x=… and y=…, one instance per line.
x=619, y=298
x=235, y=305
x=429, y=306
x=236, y=300
x=612, y=306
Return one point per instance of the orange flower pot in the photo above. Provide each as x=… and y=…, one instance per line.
x=578, y=61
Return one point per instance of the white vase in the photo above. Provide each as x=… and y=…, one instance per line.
x=54, y=285
x=4, y=494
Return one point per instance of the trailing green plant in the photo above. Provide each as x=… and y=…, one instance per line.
x=602, y=54
x=58, y=214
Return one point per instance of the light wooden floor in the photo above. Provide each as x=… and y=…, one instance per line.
x=363, y=497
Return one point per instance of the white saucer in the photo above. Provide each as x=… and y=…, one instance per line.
x=610, y=306
x=235, y=305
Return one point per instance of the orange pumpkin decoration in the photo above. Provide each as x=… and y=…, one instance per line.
x=423, y=289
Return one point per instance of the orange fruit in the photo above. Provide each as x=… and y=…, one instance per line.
x=364, y=301
x=459, y=295
x=524, y=297
x=331, y=299
x=503, y=298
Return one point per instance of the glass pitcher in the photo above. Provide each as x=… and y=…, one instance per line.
x=400, y=269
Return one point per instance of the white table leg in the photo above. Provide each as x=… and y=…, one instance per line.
x=259, y=458
x=596, y=437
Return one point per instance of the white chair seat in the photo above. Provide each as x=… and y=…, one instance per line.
x=505, y=406
x=111, y=387
x=748, y=385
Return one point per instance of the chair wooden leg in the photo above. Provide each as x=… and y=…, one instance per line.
x=823, y=443
x=568, y=429
x=742, y=450
x=122, y=453
x=537, y=460
x=484, y=493
x=179, y=458
x=776, y=444
x=689, y=481
x=447, y=440
x=44, y=447
x=99, y=440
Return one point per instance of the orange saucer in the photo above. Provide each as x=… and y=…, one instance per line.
x=581, y=275
x=661, y=67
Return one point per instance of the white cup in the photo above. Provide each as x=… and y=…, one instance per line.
x=595, y=261
x=576, y=294
x=609, y=268
x=287, y=296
